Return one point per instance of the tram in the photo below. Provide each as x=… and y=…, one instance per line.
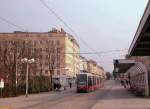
x=139, y=76
x=87, y=82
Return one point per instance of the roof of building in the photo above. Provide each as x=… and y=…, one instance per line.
x=123, y=65
x=140, y=45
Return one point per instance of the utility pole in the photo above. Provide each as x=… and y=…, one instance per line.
x=27, y=61
x=16, y=76
x=27, y=80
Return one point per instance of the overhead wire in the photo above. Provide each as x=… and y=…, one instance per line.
x=76, y=35
x=59, y=18
x=21, y=28
x=51, y=10
x=11, y=23
x=96, y=52
x=104, y=52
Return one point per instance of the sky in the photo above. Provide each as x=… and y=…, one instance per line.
x=104, y=25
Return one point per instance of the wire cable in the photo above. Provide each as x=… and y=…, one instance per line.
x=59, y=18
x=9, y=22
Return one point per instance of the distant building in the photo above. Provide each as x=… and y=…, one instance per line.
x=83, y=64
x=94, y=68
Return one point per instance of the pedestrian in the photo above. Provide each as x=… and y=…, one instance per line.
x=122, y=82
x=70, y=84
x=64, y=87
x=59, y=86
x=55, y=86
x=127, y=82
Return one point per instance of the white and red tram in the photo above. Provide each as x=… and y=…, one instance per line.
x=87, y=82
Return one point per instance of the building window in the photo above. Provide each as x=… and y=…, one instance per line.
x=58, y=50
x=58, y=58
x=46, y=63
x=46, y=56
x=46, y=71
x=52, y=43
x=58, y=64
x=40, y=64
x=58, y=72
x=47, y=42
x=41, y=57
x=58, y=42
x=41, y=49
x=41, y=42
x=46, y=49
x=35, y=43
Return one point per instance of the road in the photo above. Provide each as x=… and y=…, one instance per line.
x=57, y=100
x=111, y=96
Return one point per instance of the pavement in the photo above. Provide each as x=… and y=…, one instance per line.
x=68, y=99
x=21, y=102
x=121, y=98
x=111, y=96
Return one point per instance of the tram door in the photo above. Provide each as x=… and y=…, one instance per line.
x=89, y=83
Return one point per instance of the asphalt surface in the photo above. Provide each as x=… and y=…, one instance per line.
x=58, y=100
x=71, y=100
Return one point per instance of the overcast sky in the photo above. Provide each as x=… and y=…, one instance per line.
x=104, y=24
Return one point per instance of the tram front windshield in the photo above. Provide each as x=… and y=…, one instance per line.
x=82, y=79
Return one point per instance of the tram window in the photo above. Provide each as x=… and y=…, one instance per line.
x=94, y=81
x=82, y=78
x=89, y=81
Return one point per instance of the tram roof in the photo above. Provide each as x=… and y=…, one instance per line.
x=140, y=45
x=123, y=65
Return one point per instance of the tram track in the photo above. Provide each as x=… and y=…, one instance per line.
x=46, y=103
x=71, y=99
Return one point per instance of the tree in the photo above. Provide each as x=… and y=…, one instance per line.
x=55, y=56
x=11, y=52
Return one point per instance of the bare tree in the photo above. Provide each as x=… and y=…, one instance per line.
x=11, y=52
x=55, y=58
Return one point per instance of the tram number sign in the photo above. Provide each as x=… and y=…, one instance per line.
x=1, y=83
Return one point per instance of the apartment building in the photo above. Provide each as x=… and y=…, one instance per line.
x=56, y=53
x=83, y=64
x=94, y=68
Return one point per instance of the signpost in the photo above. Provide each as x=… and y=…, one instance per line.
x=1, y=85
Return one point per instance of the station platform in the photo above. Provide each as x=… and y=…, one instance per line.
x=121, y=98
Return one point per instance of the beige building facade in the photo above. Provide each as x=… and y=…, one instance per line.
x=92, y=67
x=56, y=52
x=83, y=64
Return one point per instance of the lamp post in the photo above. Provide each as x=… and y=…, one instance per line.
x=27, y=61
x=16, y=72
x=116, y=69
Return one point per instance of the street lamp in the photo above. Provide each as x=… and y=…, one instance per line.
x=27, y=61
x=116, y=69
